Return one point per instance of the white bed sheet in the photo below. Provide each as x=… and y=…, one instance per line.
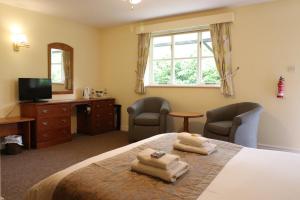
x=255, y=174
x=251, y=175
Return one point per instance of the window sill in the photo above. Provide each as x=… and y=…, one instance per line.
x=182, y=86
x=58, y=83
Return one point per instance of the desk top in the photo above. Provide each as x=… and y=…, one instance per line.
x=186, y=114
x=12, y=120
x=72, y=101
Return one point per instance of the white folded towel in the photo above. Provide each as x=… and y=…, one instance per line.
x=167, y=161
x=195, y=140
x=207, y=149
x=170, y=175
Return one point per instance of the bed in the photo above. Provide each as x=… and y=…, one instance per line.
x=249, y=174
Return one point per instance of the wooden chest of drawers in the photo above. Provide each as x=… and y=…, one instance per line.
x=53, y=123
x=99, y=120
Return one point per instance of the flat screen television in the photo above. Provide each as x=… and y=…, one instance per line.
x=34, y=89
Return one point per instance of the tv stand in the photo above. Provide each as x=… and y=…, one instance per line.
x=53, y=119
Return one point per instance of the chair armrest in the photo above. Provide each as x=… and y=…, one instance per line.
x=247, y=116
x=135, y=108
x=244, y=128
x=165, y=108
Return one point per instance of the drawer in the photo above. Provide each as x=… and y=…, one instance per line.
x=102, y=119
x=103, y=104
x=45, y=124
x=103, y=114
x=45, y=136
x=46, y=111
x=103, y=124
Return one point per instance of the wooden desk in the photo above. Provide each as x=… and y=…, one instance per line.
x=186, y=116
x=53, y=119
x=17, y=125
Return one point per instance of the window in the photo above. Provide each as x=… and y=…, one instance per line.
x=184, y=59
x=57, y=66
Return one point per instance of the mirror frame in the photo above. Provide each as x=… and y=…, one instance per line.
x=64, y=47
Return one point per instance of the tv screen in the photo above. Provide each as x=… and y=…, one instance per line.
x=34, y=89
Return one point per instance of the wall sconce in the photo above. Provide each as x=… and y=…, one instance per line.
x=19, y=40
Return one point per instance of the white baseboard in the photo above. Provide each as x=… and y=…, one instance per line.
x=278, y=148
x=124, y=128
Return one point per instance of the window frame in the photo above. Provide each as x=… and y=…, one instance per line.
x=149, y=71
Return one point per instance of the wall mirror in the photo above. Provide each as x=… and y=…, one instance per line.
x=60, y=68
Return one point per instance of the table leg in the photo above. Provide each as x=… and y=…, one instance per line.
x=186, y=124
x=26, y=134
x=29, y=135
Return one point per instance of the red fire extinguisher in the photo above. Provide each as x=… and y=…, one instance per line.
x=280, y=93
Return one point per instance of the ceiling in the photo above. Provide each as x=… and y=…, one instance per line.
x=102, y=13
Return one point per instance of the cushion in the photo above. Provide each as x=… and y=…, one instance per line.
x=152, y=105
x=221, y=128
x=147, y=119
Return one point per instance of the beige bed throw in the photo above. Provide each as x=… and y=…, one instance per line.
x=112, y=178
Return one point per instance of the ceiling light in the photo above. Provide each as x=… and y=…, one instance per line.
x=134, y=2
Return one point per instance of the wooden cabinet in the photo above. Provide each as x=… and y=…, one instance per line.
x=100, y=119
x=52, y=125
x=53, y=119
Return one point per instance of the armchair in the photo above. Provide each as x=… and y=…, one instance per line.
x=236, y=123
x=147, y=117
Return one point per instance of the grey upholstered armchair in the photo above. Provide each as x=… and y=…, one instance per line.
x=147, y=117
x=236, y=123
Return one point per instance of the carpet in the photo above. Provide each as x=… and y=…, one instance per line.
x=20, y=172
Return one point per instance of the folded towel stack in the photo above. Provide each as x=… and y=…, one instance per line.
x=194, y=143
x=168, y=167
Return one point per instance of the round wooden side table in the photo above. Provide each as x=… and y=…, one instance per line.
x=186, y=116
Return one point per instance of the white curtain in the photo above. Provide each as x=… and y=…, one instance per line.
x=143, y=53
x=221, y=42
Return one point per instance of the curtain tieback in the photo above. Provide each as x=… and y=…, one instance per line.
x=233, y=73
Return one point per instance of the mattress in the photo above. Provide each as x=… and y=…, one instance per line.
x=250, y=174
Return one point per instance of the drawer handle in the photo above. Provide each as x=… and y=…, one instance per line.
x=64, y=109
x=45, y=123
x=63, y=121
x=45, y=111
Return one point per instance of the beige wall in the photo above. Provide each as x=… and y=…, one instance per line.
x=32, y=62
x=266, y=40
